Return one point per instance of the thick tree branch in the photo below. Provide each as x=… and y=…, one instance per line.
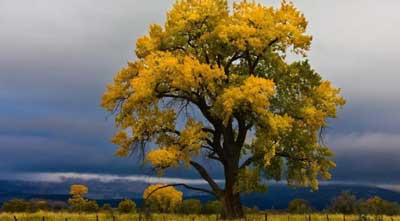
x=209, y=130
x=211, y=153
x=228, y=64
x=204, y=174
x=242, y=133
x=249, y=62
x=205, y=110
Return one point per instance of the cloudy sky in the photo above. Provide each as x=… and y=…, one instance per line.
x=56, y=57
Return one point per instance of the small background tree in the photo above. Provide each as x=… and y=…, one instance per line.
x=42, y=205
x=16, y=206
x=127, y=206
x=77, y=201
x=212, y=207
x=90, y=206
x=106, y=208
x=378, y=206
x=345, y=203
x=58, y=206
x=190, y=206
x=299, y=206
x=162, y=198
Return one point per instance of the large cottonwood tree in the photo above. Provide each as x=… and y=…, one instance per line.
x=260, y=115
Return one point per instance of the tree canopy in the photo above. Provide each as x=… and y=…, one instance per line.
x=162, y=198
x=299, y=206
x=126, y=206
x=78, y=190
x=345, y=203
x=78, y=201
x=216, y=81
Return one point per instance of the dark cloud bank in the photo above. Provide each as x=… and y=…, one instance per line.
x=57, y=56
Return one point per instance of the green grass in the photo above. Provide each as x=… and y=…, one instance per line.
x=50, y=216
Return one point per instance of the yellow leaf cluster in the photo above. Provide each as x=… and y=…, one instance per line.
x=309, y=176
x=255, y=26
x=186, y=15
x=147, y=44
x=167, y=198
x=120, y=89
x=252, y=96
x=178, y=149
x=322, y=105
x=162, y=72
x=164, y=157
x=144, y=126
x=78, y=190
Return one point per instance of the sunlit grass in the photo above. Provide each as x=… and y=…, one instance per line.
x=64, y=216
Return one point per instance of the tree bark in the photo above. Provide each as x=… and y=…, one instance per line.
x=232, y=207
x=230, y=199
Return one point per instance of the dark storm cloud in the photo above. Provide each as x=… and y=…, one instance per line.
x=55, y=59
x=67, y=129
x=62, y=53
x=371, y=157
x=57, y=56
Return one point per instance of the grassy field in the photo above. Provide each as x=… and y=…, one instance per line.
x=47, y=216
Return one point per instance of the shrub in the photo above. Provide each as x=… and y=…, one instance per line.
x=161, y=198
x=126, y=206
x=190, y=206
x=345, y=203
x=16, y=206
x=212, y=207
x=106, y=208
x=90, y=206
x=299, y=206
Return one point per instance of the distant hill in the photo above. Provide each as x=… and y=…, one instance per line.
x=277, y=196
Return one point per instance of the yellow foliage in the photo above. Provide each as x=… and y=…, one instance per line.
x=166, y=198
x=225, y=69
x=322, y=105
x=256, y=26
x=249, y=180
x=195, y=15
x=78, y=190
x=252, y=96
x=78, y=193
x=182, y=149
x=164, y=157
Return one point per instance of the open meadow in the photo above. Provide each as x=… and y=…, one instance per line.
x=48, y=216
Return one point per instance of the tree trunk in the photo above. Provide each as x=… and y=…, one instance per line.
x=231, y=205
x=230, y=199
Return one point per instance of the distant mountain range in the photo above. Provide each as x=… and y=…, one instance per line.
x=277, y=196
